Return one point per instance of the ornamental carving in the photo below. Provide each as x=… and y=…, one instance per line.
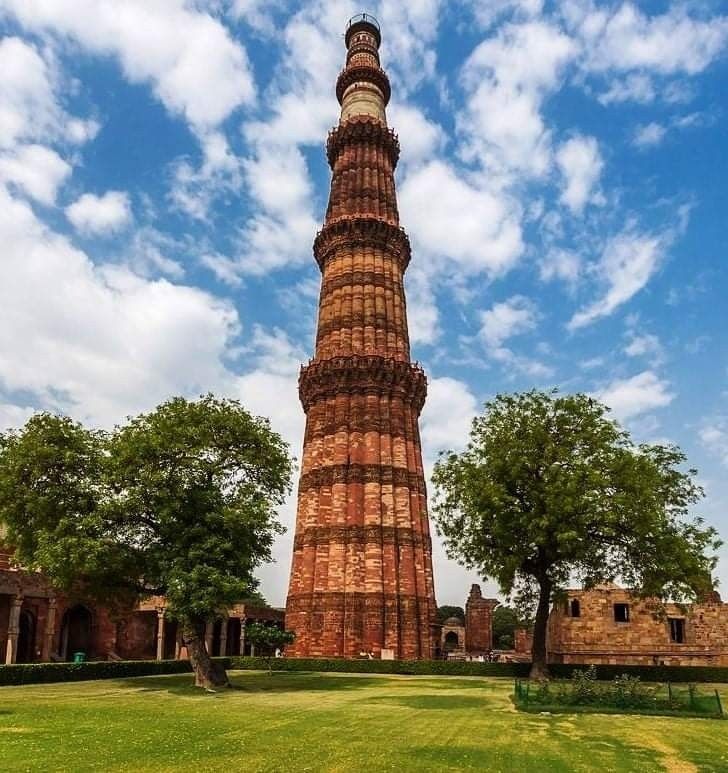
x=363, y=73
x=383, y=474
x=362, y=375
x=374, y=534
x=354, y=231
x=362, y=129
x=362, y=279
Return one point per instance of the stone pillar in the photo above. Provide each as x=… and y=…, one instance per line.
x=223, y=636
x=11, y=649
x=209, y=627
x=49, y=630
x=160, y=632
x=242, y=636
x=178, y=644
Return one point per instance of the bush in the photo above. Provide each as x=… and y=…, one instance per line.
x=34, y=673
x=37, y=673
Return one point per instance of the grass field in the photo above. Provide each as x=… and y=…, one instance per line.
x=317, y=722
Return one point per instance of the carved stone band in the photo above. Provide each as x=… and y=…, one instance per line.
x=361, y=129
x=361, y=231
x=359, y=535
x=362, y=375
x=337, y=601
x=384, y=474
x=366, y=73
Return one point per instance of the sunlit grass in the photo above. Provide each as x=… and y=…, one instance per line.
x=316, y=722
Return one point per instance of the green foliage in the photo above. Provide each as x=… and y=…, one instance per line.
x=180, y=501
x=549, y=489
x=268, y=638
x=505, y=621
x=30, y=673
x=447, y=610
x=625, y=692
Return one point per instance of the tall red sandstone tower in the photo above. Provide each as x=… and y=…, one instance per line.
x=361, y=579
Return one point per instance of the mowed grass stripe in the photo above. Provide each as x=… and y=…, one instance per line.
x=331, y=722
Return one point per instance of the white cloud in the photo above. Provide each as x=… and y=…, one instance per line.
x=641, y=345
x=445, y=422
x=421, y=138
x=192, y=63
x=635, y=87
x=580, y=163
x=668, y=43
x=714, y=437
x=102, y=215
x=449, y=218
x=38, y=171
x=561, y=264
x=636, y=395
x=627, y=263
x=99, y=343
x=506, y=319
x=648, y=135
x=514, y=70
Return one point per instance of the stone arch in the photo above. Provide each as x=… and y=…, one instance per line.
x=76, y=631
x=26, y=637
x=452, y=642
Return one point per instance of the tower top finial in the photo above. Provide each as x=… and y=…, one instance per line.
x=363, y=22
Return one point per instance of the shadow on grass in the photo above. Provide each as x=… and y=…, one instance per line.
x=253, y=683
x=431, y=701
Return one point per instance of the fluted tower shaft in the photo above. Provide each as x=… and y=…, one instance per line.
x=361, y=577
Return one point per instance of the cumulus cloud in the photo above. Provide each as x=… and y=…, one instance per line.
x=669, y=43
x=580, y=164
x=639, y=394
x=648, y=135
x=627, y=263
x=99, y=342
x=560, y=263
x=448, y=218
x=714, y=437
x=194, y=66
x=36, y=170
x=514, y=70
x=103, y=215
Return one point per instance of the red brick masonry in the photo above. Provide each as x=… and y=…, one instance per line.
x=361, y=577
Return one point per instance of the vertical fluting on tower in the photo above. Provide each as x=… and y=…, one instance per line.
x=361, y=576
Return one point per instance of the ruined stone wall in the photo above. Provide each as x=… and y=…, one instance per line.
x=645, y=639
x=479, y=622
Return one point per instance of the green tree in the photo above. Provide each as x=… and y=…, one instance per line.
x=505, y=622
x=550, y=490
x=267, y=639
x=179, y=502
x=447, y=610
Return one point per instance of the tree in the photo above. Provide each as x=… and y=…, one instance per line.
x=179, y=502
x=268, y=639
x=505, y=622
x=550, y=490
x=446, y=611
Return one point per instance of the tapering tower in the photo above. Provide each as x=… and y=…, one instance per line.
x=361, y=578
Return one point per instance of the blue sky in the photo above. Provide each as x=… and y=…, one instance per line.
x=564, y=182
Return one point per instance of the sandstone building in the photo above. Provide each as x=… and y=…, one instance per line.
x=38, y=624
x=473, y=636
x=361, y=576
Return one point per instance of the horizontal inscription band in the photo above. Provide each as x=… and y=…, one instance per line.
x=362, y=473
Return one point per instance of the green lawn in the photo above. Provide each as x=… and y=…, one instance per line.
x=317, y=722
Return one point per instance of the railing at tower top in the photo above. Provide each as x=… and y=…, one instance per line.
x=364, y=17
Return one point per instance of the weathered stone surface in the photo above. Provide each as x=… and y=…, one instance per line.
x=361, y=576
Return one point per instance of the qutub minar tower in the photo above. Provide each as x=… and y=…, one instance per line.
x=361, y=578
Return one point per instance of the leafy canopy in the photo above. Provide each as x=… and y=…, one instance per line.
x=180, y=501
x=550, y=490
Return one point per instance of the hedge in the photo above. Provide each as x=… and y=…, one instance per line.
x=35, y=673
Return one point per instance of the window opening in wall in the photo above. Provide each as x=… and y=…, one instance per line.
x=677, y=629
x=575, y=608
x=621, y=613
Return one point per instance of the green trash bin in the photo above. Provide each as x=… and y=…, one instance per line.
x=79, y=657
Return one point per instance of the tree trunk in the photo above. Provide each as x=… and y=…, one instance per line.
x=539, y=666
x=207, y=674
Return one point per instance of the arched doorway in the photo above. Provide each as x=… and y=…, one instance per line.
x=26, y=637
x=76, y=631
x=451, y=641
